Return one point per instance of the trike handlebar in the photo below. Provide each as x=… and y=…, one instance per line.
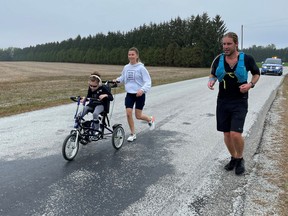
x=75, y=98
x=78, y=99
x=111, y=83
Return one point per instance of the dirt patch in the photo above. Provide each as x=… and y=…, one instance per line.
x=268, y=187
x=281, y=137
x=27, y=86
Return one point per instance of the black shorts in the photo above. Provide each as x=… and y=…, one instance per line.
x=131, y=99
x=231, y=115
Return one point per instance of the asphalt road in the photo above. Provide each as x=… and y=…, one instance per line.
x=177, y=169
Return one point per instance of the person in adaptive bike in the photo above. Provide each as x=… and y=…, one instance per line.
x=99, y=96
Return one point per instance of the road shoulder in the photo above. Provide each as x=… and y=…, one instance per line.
x=268, y=185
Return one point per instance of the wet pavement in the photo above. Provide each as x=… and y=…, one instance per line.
x=177, y=169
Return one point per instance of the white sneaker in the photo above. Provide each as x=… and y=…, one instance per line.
x=131, y=137
x=152, y=123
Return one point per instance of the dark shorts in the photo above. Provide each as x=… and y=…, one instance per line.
x=131, y=99
x=231, y=115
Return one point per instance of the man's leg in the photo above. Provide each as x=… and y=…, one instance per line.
x=229, y=144
x=238, y=143
x=235, y=145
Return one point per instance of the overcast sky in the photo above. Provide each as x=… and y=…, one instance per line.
x=27, y=23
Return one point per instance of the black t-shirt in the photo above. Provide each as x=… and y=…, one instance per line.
x=229, y=87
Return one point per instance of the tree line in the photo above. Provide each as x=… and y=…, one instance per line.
x=260, y=53
x=191, y=42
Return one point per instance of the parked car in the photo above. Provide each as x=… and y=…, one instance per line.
x=272, y=66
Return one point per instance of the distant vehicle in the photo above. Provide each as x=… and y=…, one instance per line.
x=272, y=66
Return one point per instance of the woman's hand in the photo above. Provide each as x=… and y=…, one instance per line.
x=139, y=93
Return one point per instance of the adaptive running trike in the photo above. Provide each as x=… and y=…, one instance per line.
x=85, y=133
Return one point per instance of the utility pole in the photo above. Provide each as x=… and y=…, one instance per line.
x=241, y=37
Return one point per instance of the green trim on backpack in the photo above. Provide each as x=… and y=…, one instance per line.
x=240, y=72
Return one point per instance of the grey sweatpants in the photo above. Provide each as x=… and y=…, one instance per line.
x=98, y=109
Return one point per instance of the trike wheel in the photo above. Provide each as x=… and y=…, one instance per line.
x=70, y=147
x=118, y=137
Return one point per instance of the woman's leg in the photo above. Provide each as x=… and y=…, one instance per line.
x=140, y=116
x=130, y=120
x=140, y=102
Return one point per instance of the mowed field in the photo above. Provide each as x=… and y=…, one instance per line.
x=28, y=86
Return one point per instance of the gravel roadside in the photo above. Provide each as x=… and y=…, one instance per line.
x=267, y=188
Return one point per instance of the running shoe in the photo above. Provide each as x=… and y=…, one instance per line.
x=240, y=167
x=131, y=137
x=231, y=165
x=152, y=123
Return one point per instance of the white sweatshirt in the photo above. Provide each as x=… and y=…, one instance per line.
x=135, y=77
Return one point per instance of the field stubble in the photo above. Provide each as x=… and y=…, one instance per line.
x=28, y=86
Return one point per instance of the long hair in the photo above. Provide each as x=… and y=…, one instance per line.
x=234, y=37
